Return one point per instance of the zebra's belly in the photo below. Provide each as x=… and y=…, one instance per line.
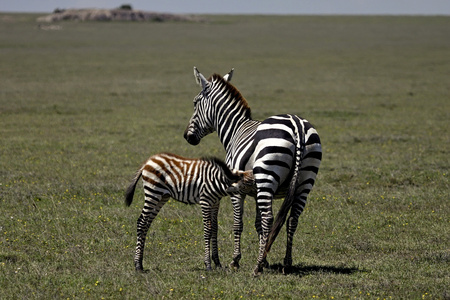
x=280, y=193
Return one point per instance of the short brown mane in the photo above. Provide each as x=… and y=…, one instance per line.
x=222, y=165
x=235, y=93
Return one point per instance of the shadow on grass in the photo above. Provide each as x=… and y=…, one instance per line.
x=302, y=270
x=297, y=270
x=8, y=258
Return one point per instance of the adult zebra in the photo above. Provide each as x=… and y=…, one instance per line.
x=191, y=181
x=284, y=152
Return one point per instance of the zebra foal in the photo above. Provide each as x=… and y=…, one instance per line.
x=190, y=181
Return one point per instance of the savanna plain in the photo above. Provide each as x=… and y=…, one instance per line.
x=83, y=104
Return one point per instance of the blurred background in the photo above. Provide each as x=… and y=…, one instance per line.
x=364, y=7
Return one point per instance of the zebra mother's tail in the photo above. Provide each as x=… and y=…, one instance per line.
x=280, y=219
x=129, y=193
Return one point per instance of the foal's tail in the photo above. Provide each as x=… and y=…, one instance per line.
x=299, y=138
x=129, y=193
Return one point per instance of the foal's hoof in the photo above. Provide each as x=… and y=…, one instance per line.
x=234, y=265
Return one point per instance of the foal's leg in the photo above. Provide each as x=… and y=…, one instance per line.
x=151, y=209
x=207, y=231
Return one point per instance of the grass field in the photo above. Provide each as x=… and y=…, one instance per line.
x=83, y=104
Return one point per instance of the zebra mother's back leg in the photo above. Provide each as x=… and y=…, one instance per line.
x=307, y=177
x=237, y=201
x=266, y=186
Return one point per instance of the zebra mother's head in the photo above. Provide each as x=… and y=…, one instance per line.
x=202, y=122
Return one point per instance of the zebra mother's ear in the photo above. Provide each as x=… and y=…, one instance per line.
x=228, y=76
x=199, y=78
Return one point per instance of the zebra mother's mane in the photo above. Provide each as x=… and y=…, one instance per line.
x=234, y=92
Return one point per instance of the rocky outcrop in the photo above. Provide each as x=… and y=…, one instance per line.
x=115, y=15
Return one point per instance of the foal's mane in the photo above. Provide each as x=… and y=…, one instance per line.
x=222, y=165
x=234, y=93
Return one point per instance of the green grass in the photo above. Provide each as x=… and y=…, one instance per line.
x=82, y=107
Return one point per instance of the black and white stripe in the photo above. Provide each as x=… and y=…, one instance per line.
x=283, y=151
x=190, y=181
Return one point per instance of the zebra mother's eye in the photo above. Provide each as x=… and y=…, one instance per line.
x=205, y=91
x=199, y=97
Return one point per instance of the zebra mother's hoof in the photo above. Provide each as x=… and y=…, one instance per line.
x=139, y=268
x=286, y=270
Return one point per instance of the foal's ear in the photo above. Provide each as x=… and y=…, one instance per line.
x=199, y=78
x=228, y=76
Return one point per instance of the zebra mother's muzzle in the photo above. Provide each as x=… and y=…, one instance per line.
x=191, y=138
